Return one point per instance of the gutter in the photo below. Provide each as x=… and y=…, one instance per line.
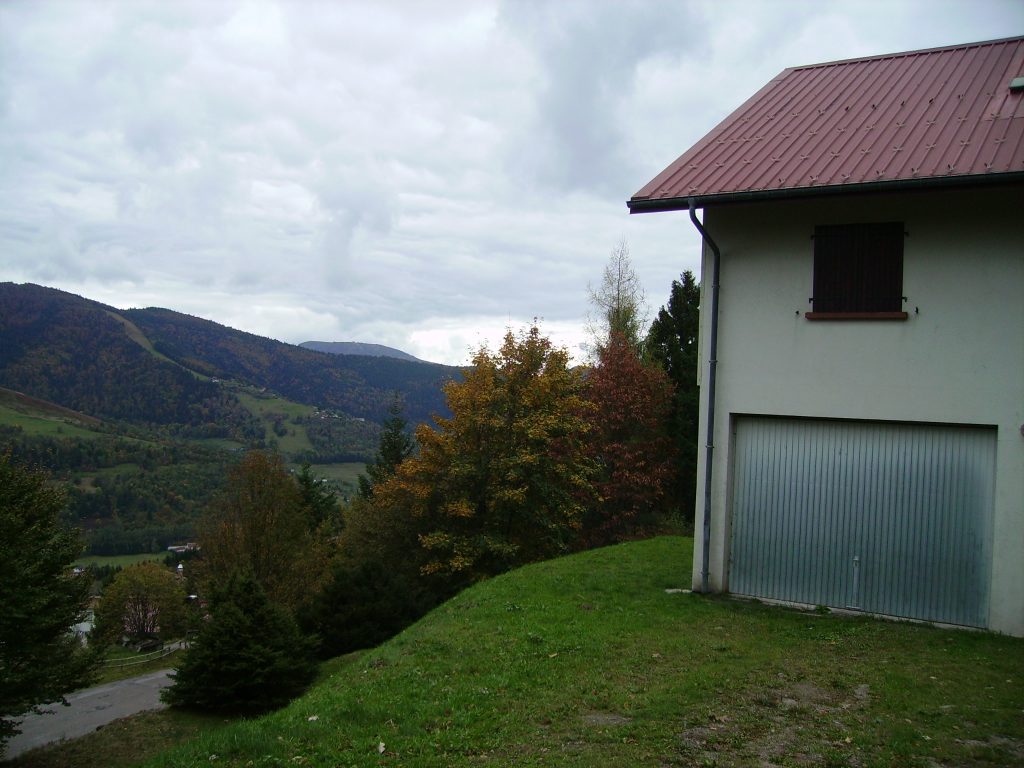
x=709, y=448
x=656, y=205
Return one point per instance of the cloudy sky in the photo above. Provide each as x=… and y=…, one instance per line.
x=417, y=174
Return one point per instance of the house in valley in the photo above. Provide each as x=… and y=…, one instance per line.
x=862, y=336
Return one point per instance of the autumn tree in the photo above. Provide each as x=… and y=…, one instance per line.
x=504, y=480
x=396, y=445
x=672, y=341
x=41, y=659
x=260, y=523
x=619, y=301
x=629, y=444
x=143, y=599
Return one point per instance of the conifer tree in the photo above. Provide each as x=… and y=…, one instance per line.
x=41, y=598
x=249, y=656
x=672, y=342
x=361, y=606
x=396, y=445
x=318, y=498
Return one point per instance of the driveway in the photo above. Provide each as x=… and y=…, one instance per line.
x=90, y=709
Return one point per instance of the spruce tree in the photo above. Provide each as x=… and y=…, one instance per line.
x=41, y=598
x=672, y=342
x=396, y=446
x=319, y=499
x=249, y=656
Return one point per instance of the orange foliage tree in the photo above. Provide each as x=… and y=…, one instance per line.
x=505, y=480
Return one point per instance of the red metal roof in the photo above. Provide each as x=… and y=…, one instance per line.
x=935, y=116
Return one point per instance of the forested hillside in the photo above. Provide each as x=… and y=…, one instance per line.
x=359, y=385
x=140, y=365
x=139, y=413
x=78, y=353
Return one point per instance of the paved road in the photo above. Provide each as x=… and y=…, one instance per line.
x=90, y=709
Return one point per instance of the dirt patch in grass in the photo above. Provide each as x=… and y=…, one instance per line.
x=799, y=723
x=605, y=719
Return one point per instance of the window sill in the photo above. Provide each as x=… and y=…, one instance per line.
x=856, y=315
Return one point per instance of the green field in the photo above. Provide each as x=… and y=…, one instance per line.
x=219, y=443
x=119, y=560
x=345, y=475
x=264, y=406
x=588, y=661
x=47, y=426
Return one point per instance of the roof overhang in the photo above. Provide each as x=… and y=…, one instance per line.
x=656, y=205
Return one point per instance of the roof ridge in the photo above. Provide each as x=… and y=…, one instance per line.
x=901, y=54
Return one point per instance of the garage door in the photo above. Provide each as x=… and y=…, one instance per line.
x=881, y=517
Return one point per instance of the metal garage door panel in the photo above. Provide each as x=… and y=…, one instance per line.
x=887, y=518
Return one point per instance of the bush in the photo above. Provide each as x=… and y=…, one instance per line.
x=360, y=607
x=249, y=656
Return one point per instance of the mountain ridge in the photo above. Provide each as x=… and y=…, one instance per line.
x=159, y=366
x=359, y=348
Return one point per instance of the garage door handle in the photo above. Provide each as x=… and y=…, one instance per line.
x=855, y=602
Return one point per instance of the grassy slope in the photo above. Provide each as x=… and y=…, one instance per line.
x=588, y=661
x=261, y=407
x=35, y=423
x=18, y=401
x=135, y=334
x=345, y=475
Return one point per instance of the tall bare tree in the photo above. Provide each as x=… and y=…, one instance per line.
x=620, y=302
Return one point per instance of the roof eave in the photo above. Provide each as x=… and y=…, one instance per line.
x=657, y=205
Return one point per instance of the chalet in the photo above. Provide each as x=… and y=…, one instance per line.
x=862, y=336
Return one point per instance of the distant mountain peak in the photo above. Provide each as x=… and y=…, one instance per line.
x=358, y=348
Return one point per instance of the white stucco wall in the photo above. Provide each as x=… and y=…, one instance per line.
x=958, y=359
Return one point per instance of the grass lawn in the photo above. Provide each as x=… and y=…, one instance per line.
x=588, y=661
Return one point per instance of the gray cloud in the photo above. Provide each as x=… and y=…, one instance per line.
x=588, y=55
x=420, y=175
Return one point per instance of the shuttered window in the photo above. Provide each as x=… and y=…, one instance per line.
x=858, y=271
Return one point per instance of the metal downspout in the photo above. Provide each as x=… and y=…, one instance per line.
x=712, y=365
